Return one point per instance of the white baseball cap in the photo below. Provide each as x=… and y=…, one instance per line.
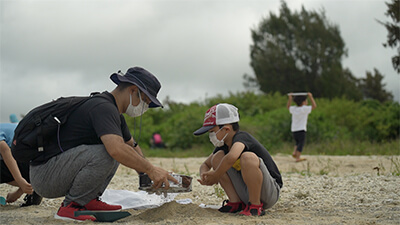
x=219, y=114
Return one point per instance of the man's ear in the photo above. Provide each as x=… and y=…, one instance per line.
x=133, y=89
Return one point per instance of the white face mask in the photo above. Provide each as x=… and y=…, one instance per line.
x=135, y=111
x=214, y=140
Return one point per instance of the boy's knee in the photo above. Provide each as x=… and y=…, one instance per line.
x=249, y=159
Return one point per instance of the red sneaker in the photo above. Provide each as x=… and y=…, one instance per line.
x=67, y=213
x=231, y=207
x=253, y=210
x=98, y=205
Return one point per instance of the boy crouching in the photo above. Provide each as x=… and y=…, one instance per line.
x=239, y=163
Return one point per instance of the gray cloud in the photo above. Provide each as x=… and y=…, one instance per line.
x=196, y=48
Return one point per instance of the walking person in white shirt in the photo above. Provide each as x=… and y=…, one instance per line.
x=299, y=120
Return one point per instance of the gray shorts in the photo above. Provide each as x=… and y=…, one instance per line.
x=80, y=174
x=269, y=191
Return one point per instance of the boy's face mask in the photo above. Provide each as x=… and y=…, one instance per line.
x=214, y=140
x=135, y=111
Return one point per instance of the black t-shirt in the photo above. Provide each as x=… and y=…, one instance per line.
x=252, y=145
x=96, y=117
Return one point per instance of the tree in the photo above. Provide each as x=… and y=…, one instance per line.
x=393, y=37
x=300, y=51
x=373, y=88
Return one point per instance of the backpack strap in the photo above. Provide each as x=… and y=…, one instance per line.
x=39, y=134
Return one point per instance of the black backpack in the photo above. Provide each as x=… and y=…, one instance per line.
x=36, y=138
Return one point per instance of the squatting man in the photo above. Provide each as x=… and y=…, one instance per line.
x=97, y=140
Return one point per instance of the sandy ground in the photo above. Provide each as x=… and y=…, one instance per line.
x=321, y=190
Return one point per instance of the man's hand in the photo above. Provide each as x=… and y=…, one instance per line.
x=159, y=177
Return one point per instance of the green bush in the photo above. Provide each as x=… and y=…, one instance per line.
x=333, y=122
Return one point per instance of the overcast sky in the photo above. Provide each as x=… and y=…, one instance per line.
x=197, y=48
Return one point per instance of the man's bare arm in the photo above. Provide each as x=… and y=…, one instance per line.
x=127, y=156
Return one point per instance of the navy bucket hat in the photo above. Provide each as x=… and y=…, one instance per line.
x=144, y=80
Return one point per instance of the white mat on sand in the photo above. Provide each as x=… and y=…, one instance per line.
x=138, y=200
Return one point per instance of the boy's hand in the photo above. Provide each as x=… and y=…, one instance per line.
x=289, y=100
x=208, y=178
x=14, y=196
x=25, y=186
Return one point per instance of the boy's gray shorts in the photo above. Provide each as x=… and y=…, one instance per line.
x=269, y=191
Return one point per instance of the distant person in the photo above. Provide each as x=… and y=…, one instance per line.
x=156, y=141
x=299, y=121
x=239, y=163
x=13, y=173
x=13, y=118
x=95, y=140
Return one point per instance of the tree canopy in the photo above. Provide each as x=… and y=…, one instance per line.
x=300, y=51
x=373, y=88
x=393, y=36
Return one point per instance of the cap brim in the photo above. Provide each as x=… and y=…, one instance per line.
x=116, y=78
x=202, y=130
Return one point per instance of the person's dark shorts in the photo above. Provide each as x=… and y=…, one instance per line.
x=300, y=139
x=6, y=176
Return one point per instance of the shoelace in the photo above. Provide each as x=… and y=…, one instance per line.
x=26, y=197
x=101, y=202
